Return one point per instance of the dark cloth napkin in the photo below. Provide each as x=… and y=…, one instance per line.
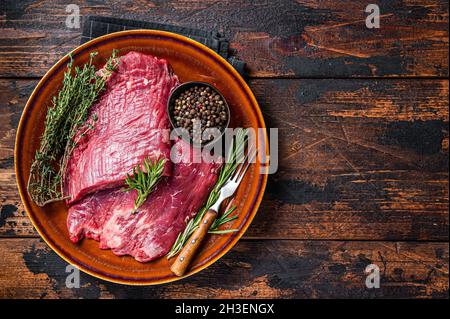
x=95, y=26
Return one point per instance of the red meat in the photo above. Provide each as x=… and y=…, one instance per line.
x=150, y=232
x=132, y=123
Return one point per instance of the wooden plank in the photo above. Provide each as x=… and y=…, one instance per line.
x=276, y=38
x=359, y=159
x=13, y=219
x=366, y=158
x=253, y=269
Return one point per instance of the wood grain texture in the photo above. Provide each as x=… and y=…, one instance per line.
x=359, y=159
x=276, y=38
x=363, y=163
x=253, y=269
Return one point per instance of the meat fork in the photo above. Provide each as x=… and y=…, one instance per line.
x=228, y=189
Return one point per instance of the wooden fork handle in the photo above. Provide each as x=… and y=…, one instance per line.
x=184, y=258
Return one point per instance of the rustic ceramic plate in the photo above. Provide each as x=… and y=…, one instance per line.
x=191, y=61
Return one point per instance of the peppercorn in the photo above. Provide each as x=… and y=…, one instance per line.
x=199, y=107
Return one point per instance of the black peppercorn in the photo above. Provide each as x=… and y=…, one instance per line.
x=199, y=107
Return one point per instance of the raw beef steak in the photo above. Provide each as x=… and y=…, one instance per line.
x=132, y=123
x=150, y=232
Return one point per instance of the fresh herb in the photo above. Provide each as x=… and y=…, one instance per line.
x=234, y=157
x=214, y=229
x=144, y=180
x=65, y=124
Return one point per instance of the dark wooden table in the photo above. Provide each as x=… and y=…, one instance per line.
x=364, y=144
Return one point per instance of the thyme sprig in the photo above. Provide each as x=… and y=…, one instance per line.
x=234, y=157
x=144, y=180
x=66, y=123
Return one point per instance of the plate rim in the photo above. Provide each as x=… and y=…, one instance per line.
x=233, y=238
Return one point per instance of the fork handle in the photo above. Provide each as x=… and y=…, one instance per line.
x=187, y=253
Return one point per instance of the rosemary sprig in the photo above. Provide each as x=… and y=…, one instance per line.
x=144, y=180
x=234, y=157
x=214, y=229
x=65, y=124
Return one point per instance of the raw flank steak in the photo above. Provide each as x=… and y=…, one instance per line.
x=132, y=123
x=150, y=232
